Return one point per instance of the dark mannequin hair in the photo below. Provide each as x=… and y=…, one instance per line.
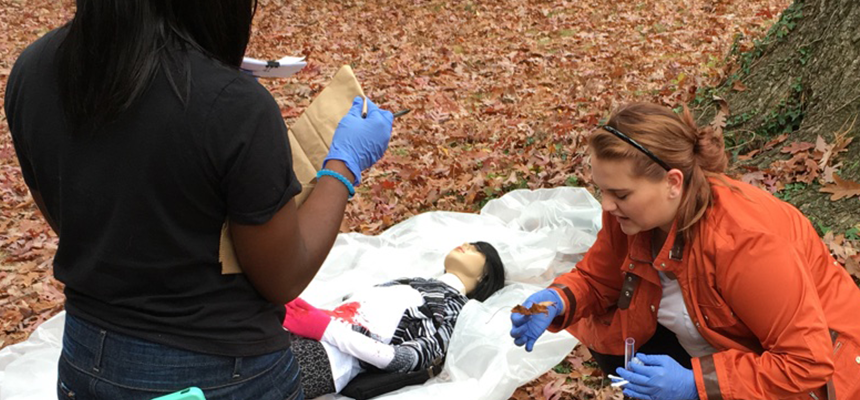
x=114, y=48
x=494, y=273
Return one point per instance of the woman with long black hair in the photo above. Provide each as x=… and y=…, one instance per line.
x=138, y=135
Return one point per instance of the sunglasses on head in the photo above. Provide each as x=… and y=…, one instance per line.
x=636, y=144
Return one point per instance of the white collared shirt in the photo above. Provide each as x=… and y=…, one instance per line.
x=674, y=316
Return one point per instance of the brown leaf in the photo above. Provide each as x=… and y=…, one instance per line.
x=773, y=185
x=554, y=389
x=823, y=152
x=520, y=394
x=719, y=121
x=520, y=309
x=842, y=143
x=575, y=361
x=748, y=156
x=841, y=188
x=820, y=144
x=842, y=138
x=796, y=147
x=739, y=86
x=777, y=140
x=840, y=248
x=753, y=178
x=536, y=308
x=827, y=175
x=852, y=265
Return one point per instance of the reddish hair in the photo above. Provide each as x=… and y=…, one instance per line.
x=675, y=139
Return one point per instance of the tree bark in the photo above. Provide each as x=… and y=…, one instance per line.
x=803, y=78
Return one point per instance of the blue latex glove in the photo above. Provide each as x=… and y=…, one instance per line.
x=361, y=142
x=528, y=328
x=658, y=377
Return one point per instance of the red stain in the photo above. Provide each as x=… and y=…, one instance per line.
x=345, y=312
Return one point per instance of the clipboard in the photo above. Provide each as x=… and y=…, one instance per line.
x=310, y=139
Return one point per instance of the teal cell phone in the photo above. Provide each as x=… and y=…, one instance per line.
x=192, y=393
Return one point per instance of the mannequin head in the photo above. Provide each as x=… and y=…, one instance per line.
x=479, y=267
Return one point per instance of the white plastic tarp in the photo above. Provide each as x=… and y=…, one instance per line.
x=538, y=234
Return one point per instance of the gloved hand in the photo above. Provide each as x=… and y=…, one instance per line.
x=306, y=320
x=658, y=377
x=361, y=142
x=528, y=328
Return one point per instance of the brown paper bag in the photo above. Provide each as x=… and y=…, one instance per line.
x=310, y=138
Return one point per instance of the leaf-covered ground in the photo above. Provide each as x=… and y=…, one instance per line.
x=503, y=94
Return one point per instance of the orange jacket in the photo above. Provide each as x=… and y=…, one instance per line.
x=759, y=284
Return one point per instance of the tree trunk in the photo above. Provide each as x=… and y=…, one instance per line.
x=802, y=79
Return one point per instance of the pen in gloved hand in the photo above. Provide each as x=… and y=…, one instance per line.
x=395, y=115
x=402, y=113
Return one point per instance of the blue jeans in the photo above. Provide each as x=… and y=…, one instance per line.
x=97, y=364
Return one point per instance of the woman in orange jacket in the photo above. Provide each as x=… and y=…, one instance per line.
x=731, y=290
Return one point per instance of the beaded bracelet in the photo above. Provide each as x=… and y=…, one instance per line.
x=341, y=178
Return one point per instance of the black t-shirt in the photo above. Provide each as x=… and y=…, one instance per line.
x=140, y=205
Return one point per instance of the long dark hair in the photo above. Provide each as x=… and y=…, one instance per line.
x=493, y=278
x=114, y=48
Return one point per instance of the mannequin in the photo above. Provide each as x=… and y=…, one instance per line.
x=466, y=263
x=400, y=326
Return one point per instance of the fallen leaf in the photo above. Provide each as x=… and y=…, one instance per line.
x=753, y=178
x=739, y=86
x=842, y=138
x=852, y=265
x=837, y=244
x=777, y=140
x=823, y=152
x=773, y=185
x=719, y=121
x=553, y=390
x=841, y=188
x=796, y=147
x=748, y=156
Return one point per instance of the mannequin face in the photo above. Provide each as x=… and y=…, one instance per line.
x=467, y=263
x=640, y=204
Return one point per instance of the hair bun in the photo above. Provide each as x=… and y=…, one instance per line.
x=710, y=150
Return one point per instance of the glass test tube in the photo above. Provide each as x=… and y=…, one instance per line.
x=629, y=351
